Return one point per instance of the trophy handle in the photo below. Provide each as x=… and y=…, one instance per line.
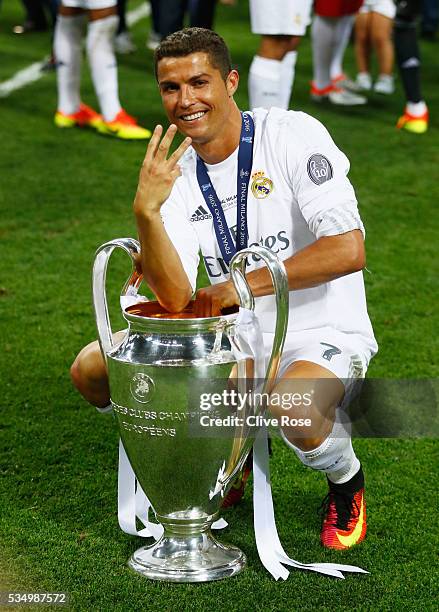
x=280, y=282
x=130, y=246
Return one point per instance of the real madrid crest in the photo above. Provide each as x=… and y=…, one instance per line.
x=261, y=185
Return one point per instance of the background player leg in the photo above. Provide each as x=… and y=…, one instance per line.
x=202, y=13
x=100, y=50
x=171, y=16
x=287, y=74
x=123, y=43
x=415, y=117
x=271, y=74
x=381, y=31
x=363, y=50
x=324, y=44
x=69, y=32
x=154, y=37
x=342, y=35
x=281, y=26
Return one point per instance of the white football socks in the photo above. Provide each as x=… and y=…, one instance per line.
x=417, y=109
x=288, y=70
x=335, y=456
x=264, y=83
x=343, y=29
x=68, y=52
x=100, y=51
x=322, y=38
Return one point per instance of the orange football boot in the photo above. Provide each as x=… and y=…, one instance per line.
x=344, y=509
x=413, y=124
x=84, y=117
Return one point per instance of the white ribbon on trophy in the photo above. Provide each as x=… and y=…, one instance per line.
x=269, y=547
x=133, y=504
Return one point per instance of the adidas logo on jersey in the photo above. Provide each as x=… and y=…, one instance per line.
x=201, y=214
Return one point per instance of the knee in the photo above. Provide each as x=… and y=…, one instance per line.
x=277, y=46
x=379, y=41
x=308, y=444
x=88, y=367
x=101, y=32
x=89, y=375
x=361, y=38
x=293, y=43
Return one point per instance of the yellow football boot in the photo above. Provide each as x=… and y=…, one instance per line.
x=84, y=117
x=125, y=127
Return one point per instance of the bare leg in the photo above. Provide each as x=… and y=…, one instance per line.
x=381, y=30
x=277, y=46
x=362, y=41
x=89, y=373
x=321, y=392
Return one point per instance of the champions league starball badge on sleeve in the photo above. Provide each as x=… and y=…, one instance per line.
x=153, y=373
x=319, y=169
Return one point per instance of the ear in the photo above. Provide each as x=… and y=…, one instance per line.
x=232, y=82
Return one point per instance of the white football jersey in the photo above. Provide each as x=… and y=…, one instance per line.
x=298, y=192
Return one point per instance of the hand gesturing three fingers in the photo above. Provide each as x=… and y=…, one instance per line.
x=159, y=172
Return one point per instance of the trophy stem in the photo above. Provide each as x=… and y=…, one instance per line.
x=192, y=557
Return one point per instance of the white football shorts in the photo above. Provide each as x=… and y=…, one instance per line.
x=287, y=17
x=383, y=7
x=345, y=355
x=89, y=5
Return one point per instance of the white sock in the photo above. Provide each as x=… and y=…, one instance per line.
x=264, y=82
x=287, y=74
x=68, y=52
x=335, y=456
x=323, y=43
x=100, y=51
x=417, y=109
x=343, y=31
x=385, y=77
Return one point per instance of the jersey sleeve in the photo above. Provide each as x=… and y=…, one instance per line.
x=181, y=233
x=318, y=174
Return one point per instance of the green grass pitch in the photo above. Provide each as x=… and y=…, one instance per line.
x=63, y=193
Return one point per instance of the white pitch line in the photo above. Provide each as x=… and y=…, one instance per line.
x=33, y=72
x=142, y=11
x=21, y=78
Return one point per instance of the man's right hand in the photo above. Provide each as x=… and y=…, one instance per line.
x=159, y=172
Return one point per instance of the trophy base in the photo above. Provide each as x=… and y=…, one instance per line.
x=194, y=558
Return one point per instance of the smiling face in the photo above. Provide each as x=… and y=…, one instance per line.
x=195, y=96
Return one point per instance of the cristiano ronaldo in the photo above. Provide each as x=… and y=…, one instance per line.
x=301, y=205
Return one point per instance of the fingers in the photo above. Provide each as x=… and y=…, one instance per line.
x=180, y=151
x=207, y=304
x=201, y=306
x=163, y=148
x=153, y=144
x=157, y=151
x=175, y=173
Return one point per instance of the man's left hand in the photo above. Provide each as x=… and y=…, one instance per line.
x=209, y=301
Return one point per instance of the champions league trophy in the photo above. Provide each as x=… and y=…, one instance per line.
x=155, y=375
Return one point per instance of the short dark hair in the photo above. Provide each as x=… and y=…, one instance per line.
x=195, y=40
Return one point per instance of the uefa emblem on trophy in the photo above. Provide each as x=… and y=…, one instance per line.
x=154, y=375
